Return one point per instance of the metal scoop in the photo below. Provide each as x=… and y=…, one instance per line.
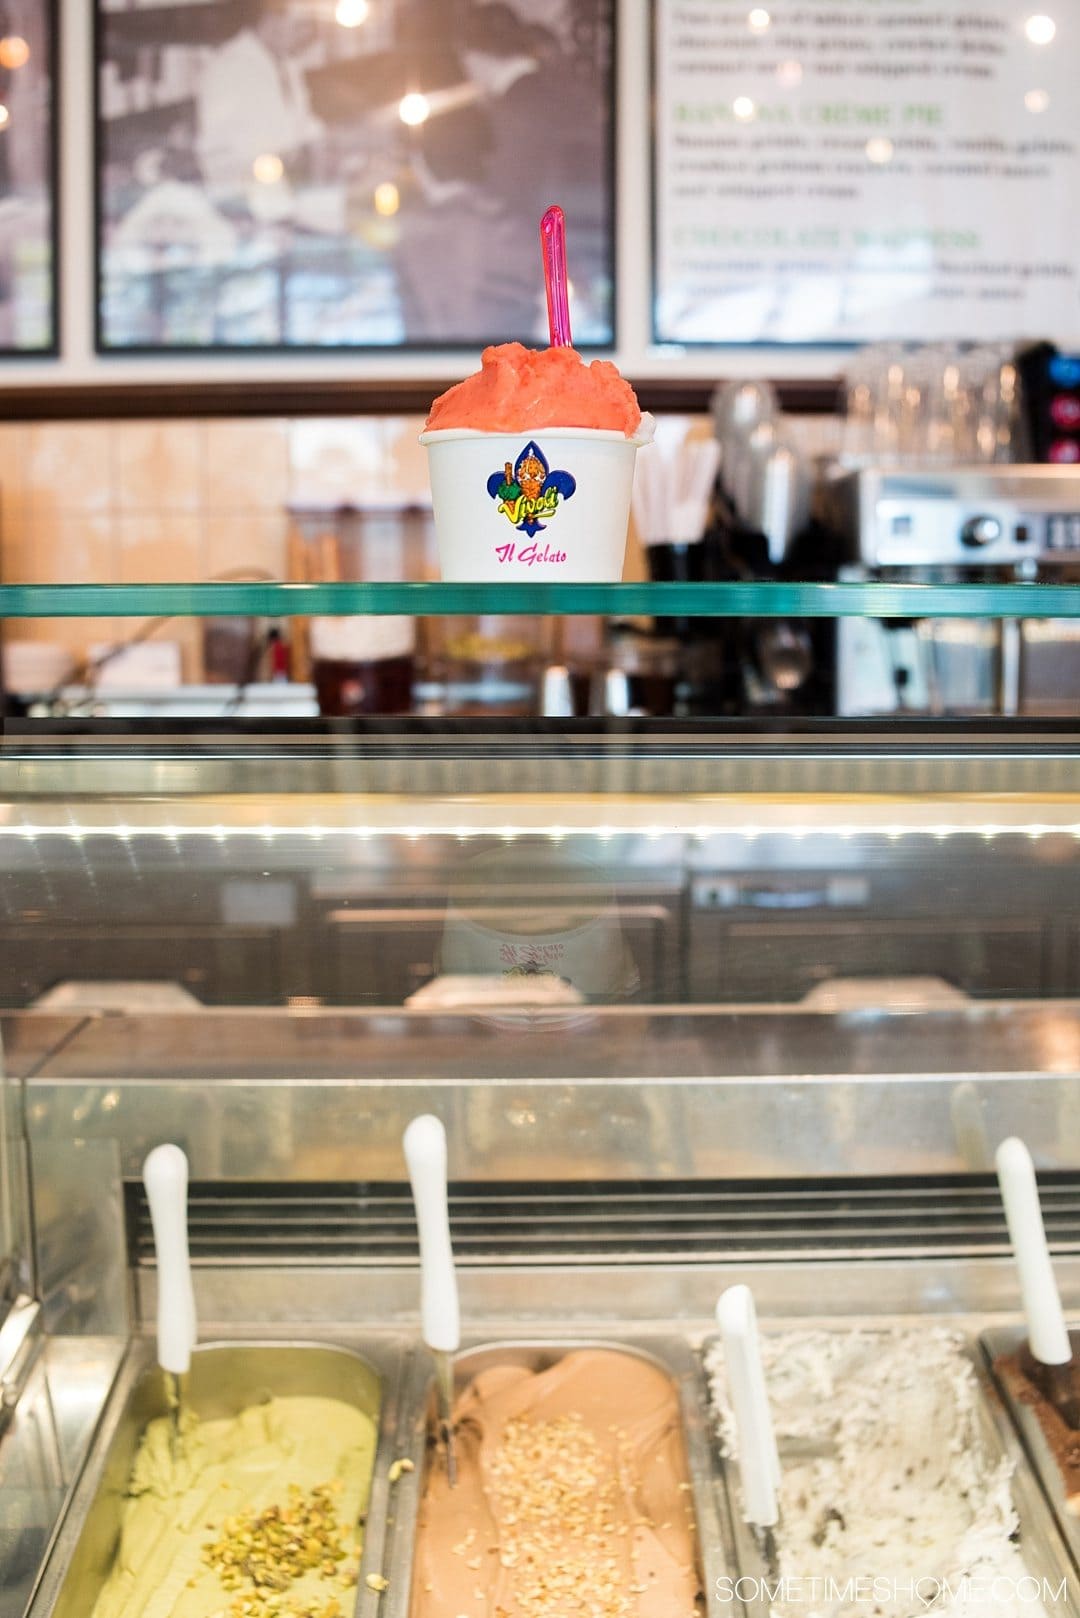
x=425, y=1153
x=165, y=1176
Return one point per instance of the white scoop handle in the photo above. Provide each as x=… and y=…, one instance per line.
x=759, y=1458
x=1048, y=1337
x=165, y=1176
x=425, y=1154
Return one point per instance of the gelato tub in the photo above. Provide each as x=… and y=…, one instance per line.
x=902, y=1487
x=532, y=462
x=547, y=507
x=1053, y=1446
x=265, y=1499
x=581, y=1468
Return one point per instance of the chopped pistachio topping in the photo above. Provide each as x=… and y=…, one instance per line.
x=261, y=1554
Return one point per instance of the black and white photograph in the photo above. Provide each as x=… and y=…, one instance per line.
x=27, y=190
x=278, y=174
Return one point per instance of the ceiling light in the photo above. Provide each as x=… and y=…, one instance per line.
x=1040, y=29
x=414, y=108
x=14, y=52
x=879, y=149
x=268, y=168
x=1037, y=100
x=759, y=18
x=744, y=108
x=387, y=198
x=351, y=13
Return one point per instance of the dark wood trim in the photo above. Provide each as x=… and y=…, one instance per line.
x=800, y=396
x=126, y=400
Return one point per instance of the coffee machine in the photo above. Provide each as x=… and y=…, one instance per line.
x=760, y=529
x=933, y=524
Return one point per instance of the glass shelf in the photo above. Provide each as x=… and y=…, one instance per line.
x=739, y=600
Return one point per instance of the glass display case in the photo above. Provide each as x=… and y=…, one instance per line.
x=696, y=1005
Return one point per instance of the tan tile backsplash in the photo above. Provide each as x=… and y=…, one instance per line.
x=336, y=459
x=156, y=463
x=239, y=542
x=157, y=546
x=61, y=547
x=70, y=466
x=181, y=500
x=124, y=471
x=245, y=465
x=14, y=456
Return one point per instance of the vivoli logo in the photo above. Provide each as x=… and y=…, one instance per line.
x=528, y=490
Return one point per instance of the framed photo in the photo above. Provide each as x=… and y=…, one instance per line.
x=349, y=174
x=834, y=174
x=28, y=178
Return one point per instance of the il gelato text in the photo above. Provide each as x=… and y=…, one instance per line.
x=533, y=555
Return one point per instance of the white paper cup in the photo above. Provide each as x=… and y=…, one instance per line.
x=559, y=518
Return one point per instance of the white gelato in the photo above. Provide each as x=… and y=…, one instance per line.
x=894, y=1502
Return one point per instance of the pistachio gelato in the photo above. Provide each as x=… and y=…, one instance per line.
x=257, y=1514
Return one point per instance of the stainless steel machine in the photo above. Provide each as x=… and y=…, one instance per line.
x=613, y=1163
x=936, y=524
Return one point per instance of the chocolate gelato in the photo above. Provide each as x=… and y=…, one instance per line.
x=1062, y=1440
x=572, y=1498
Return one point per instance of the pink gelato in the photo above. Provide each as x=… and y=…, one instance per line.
x=519, y=389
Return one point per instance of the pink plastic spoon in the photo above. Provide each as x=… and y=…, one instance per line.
x=553, y=246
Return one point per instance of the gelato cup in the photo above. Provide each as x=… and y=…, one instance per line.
x=549, y=505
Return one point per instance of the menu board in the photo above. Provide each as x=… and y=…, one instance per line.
x=864, y=170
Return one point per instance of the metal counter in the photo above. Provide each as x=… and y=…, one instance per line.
x=604, y=1186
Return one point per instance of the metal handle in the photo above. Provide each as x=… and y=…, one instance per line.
x=759, y=1458
x=425, y=1153
x=165, y=1176
x=1011, y=665
x=1047, y=1334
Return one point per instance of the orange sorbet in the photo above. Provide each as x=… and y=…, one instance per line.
x=518, y=389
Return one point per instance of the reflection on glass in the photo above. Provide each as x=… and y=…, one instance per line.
x=714, y=901
x=532, y=933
